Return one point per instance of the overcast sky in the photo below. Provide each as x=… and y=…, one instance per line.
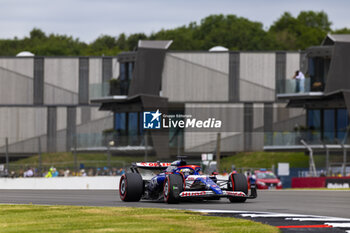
x=88, y=19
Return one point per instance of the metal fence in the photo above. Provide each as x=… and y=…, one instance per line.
x=85, y=154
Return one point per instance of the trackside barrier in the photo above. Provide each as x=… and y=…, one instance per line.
x=61, y=183
x=309, y=182
x=68, y=183
x=321, y=182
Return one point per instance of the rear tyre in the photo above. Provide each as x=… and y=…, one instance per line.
x=173, y=186
x=130, y=187
x=238, y=182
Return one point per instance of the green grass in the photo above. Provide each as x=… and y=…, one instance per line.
x=66, y=160
x=33, y=218
x=240, y=160
x=268, y=159
x=69, y=157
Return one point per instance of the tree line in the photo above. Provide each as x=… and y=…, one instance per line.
x=236, y=33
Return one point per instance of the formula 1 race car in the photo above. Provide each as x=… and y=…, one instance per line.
x=178, y=181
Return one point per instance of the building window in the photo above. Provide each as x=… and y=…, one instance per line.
x=120, y=124
x=130, y=70
x=122, y=72
x=133, y=129
x=314, y=124
x=141, y=131
x=318, y=71
x=125, y=76
x=327, y=125
x=176, y=135
x=128, y=128
x=342, y=123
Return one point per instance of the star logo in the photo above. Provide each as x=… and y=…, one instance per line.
x=155, y=115
x=151, y=120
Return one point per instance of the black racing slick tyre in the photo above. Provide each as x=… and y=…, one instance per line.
x=238, y=182
x=130, y=187
x=173, y=186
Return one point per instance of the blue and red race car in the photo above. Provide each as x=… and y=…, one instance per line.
x=177, y=181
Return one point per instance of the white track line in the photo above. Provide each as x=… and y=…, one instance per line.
x=318, y=219
x=272, y=215
x=339, y=225
x=335, y=222
x=221, y=211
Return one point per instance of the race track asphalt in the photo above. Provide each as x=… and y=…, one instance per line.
x=325, y=203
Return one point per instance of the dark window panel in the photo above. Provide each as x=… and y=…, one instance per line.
x=329, y=126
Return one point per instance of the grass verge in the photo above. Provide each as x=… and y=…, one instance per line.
x=33, y=218
x=69, y=157
x=66, y=160
x=263, y=159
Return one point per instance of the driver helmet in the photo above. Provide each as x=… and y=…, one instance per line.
x=187, y=171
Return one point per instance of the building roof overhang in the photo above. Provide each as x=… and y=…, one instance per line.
x=133, y=103
x=320, y=51
x=316, y=100
x=306, y=95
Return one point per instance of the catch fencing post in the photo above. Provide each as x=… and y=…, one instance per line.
x=312, y=167
x=218, y=144
x=7, y=154
x=146, y=145
x=40, y=159
x=75, y=155
x=109, y=154
x=178, y=144
x=344, y=160
x=327, y=161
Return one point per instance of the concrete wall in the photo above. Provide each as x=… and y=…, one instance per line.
x=95, y=70
x=115, y=68
x=63, y=73
x=257, y=76
x=187, y=77
x=287, y=118
x=205, y=140
x=258, y=113
x=233, y=135
x=23, y=125
x=292, y=64
x=204, y=76
x=21, y=66
x=59, y=183
x=16, y=79
x=61, y=80
x=96, y=126
x=195, y=77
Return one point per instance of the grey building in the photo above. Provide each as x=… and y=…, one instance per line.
x=89, y=101
x=238, y=88
x=47, y=98
x=325, y=92
x=325, y=97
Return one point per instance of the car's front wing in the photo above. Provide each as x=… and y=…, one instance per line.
x=209, y=193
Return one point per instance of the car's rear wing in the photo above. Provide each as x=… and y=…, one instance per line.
x=151, y=165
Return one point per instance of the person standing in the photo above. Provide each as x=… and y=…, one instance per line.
x=49, y=173
x=300, y=81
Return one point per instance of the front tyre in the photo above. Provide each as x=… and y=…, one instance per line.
x=238, y=182
x=130, y=187
x=173, y=186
